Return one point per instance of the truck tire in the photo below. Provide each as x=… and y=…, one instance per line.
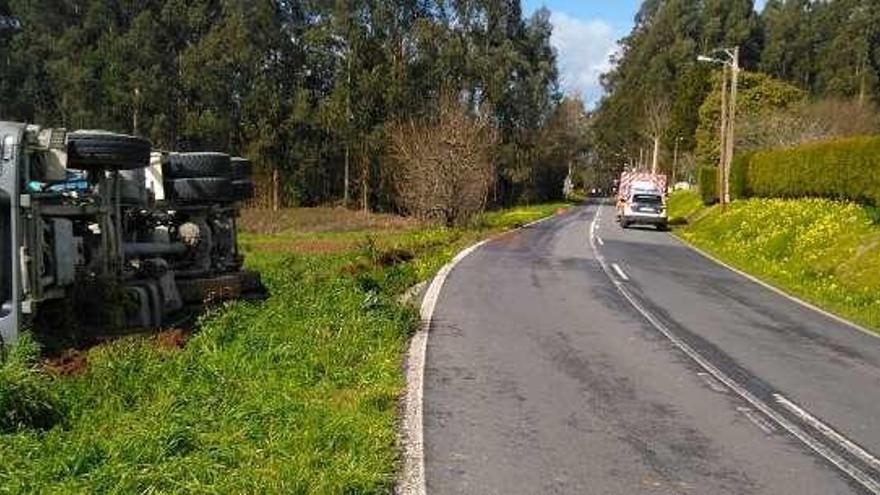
x=242, y=168
x=196, y=165
x=104, y=150
x=242, y=190
x=204, y=189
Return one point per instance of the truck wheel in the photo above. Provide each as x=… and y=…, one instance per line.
x=196, y=165
x=204, y=189
x=242, y=168
x=105, y=150
x=242, y=190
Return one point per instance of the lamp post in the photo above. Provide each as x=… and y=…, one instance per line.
x=728, y=116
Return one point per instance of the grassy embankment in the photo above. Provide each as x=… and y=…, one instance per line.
x=297, y=394
x=825, y=252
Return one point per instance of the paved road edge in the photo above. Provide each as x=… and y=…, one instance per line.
x=411, y=480
x=773, y=288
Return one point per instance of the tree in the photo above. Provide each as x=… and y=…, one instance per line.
x=445, y=164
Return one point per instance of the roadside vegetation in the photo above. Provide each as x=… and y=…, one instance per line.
x=295, y=394
x=823, y=251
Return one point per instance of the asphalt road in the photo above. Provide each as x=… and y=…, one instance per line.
x=626, y=363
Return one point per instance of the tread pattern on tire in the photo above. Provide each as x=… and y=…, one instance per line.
x=197, y=165
x=203, y=189
x=242, y=168
x=105, y=150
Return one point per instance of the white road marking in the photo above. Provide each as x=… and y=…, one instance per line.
x=829, y=432
x=620, y=272
x=830, y=455
x=600, y=241
x=411, y=480
x=758, y=420
x=712, y=383
x=781, y=292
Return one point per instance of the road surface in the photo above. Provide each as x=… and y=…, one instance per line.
x=622, y=362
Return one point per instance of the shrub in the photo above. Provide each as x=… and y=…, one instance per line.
x=739, y=176
x=844, y=169
x=709, y=185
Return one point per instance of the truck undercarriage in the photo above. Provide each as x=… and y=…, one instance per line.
x=101, y=232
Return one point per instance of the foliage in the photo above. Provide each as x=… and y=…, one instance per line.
x=27, y=401
x=682, y=205
x=758, y=94
x=709, y=185
x=808, y=122
x=444, y=166
x=658, y=60
x=739, y=176
x=823, y=251
x=840, y=169
x=295, y=394
x=295, y=86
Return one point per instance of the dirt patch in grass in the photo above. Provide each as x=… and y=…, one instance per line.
x=306, y=246
x=172, y=340
x=320, y=220
x=71, y=362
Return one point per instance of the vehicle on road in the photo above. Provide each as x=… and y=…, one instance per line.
x=101, y=230
x=642, y=200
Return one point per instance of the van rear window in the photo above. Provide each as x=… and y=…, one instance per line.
x=647, y=199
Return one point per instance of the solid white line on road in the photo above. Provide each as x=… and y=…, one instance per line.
x=758, y=420
x=411, y=480
x=829, y=432
x=830, y=455
x=777, y=290
x=620, y=272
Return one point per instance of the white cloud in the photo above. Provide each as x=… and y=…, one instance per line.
x=584, y=49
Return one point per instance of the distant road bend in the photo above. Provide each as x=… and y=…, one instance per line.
x=575, y=357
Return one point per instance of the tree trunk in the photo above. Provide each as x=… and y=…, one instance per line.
x=656, y=159
x=276, y=194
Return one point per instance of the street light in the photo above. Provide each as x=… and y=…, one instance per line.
x=728, y=115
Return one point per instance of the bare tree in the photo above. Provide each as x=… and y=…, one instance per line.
x=656, y=123
x=816, y=121
x=444, y=165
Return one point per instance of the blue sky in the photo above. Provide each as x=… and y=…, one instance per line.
x=585, y=34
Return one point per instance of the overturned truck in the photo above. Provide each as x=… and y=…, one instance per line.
x=101, y=231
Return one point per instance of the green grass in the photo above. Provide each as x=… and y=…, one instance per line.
x=297, y=394
x=825, y=252
x=682, y=205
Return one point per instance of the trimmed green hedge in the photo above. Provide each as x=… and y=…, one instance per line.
x=739, y=176
x=841, y=169
x=709, y=185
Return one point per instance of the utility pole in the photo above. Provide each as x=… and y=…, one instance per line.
x=722, y=159
x=731, y=123
x=728, y=118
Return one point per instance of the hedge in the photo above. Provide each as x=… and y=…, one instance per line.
x=841, y=169
x=739, y=176
x=709, y=185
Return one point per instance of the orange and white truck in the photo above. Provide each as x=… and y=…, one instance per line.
x=641, y=200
